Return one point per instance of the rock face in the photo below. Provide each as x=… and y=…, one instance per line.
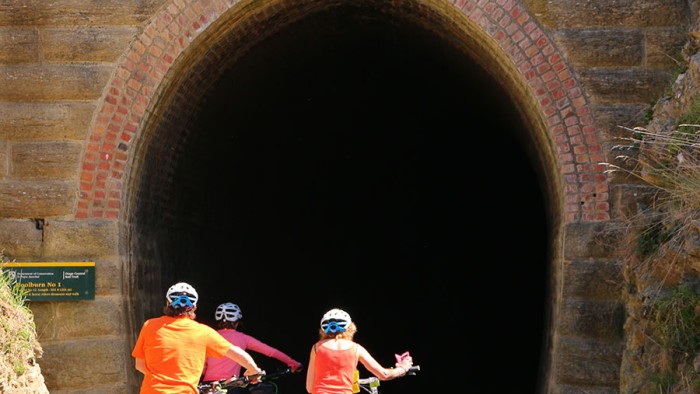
x=19, y=371
x=647, y=365
x=30, y=382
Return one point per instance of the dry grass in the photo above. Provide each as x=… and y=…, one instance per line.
x=669, y=163
x=19, y=370
x=663, y=260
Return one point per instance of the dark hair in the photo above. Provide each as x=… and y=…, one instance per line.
x=228, y=324
x=172, y=311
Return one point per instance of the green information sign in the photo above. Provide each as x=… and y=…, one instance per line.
x=54, y=281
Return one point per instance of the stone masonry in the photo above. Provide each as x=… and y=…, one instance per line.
x=81, y=81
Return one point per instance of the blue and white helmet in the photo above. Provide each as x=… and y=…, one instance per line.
x=335, y=320
x=228, y=312
x=182, y=295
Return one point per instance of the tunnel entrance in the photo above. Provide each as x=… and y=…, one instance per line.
x=356, y=162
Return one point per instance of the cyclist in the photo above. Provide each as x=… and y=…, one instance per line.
x=170, y=350
x=228, y=317
x=333, y=359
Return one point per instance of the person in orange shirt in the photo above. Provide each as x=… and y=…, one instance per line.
x=171, y=349
x=333, y=359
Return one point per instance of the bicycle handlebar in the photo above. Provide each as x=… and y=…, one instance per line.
x=411, y=371
x=281, y=372
x=242, y=381
x=233, y=382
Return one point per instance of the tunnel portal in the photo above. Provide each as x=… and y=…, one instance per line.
x=354, y=161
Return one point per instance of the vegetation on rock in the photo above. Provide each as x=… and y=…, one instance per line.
x=662, y=263
x=19, y=369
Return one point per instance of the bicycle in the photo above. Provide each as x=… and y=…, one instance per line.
x=371, y=384
x=266, y=385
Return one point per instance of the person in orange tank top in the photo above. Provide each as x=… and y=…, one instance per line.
x=334, y=358
x=171, y=349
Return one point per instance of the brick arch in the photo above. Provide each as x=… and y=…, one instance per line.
x=537, y=63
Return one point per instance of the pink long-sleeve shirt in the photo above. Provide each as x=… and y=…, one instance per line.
x=225, y=368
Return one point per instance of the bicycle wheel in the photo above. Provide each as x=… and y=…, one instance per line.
x=262, y=388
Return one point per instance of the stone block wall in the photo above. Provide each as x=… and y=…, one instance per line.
x=627, y=53
x=56, y=62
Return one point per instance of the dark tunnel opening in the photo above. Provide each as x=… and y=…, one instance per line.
x=372, y=167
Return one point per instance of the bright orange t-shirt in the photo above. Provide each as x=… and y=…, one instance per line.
x=334, y=370
x=175, y=349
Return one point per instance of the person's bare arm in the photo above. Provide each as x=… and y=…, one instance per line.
x=310, y=371
x=140, y=365
x=240, y=356
x=377, y=370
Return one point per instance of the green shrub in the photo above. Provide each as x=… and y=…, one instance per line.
x=677, y=321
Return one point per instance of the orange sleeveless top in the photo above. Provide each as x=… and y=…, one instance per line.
x=334, y=370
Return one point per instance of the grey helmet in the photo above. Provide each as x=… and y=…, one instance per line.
x=228, y=312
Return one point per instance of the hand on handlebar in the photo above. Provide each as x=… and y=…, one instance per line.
x=254, y=376
x=404, y=361
x=296, y=367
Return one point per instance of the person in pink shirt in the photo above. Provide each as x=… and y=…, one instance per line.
x=228, y=317
x=333, y=359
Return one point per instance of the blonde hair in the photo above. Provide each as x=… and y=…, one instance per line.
x=348, y=334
